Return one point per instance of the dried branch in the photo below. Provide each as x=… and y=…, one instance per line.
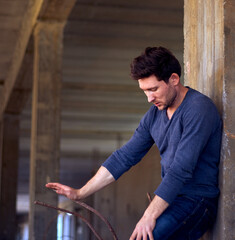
x=48, y=227
x=73, y=213
x=149, y=197
x=100, y=216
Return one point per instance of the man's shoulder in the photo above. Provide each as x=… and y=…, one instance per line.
x=199, y=100
x=194, y=94
x=199, y=104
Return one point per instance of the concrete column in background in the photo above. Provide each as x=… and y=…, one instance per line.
x=9, y=154
x=45, y=135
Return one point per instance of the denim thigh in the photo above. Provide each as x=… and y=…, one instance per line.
x=187, y=218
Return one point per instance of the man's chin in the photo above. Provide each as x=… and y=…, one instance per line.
x=160, y=107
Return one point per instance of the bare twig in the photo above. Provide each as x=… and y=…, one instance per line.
x=100, y=216
x=48, y=227
x=73, y=213
x=149, y=197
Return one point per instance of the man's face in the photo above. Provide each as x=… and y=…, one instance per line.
x=161, y=94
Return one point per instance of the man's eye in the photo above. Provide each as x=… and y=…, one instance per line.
x=153, y=89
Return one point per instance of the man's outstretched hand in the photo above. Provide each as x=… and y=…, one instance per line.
x=101, y=179
x=67, y=191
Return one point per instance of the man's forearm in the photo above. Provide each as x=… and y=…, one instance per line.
x=147, y=223
x=101, y=179
x=156, y=207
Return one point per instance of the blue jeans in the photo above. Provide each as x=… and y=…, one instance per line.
x=187, y=218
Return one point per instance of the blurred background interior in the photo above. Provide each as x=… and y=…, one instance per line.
x=100, y=104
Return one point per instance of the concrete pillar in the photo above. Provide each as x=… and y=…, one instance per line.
x=209, y=33
x=203, y=55
x=9, y=149
x=45, y=136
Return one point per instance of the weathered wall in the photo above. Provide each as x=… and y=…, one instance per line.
x=203, y=47
x=209, y=33
x=226, y=220
x=124, y=202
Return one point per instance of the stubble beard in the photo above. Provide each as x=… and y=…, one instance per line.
x=170, y=102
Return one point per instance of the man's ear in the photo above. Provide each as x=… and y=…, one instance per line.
x=175, y=79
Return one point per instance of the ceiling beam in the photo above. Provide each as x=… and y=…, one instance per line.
x=56, y=10
x=28, y=21
x=36, y=9
x=23, y=85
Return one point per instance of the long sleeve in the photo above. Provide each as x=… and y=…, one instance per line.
x=133, y=151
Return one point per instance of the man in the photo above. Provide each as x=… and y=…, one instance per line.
x=186, y=127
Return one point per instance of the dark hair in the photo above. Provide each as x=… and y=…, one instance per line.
x=157, y=61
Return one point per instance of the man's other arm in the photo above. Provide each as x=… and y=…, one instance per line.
x=147, y=223
x=101, y=179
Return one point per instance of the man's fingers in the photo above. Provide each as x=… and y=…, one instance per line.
x=64, y=190
x=145, y=237
x=150, y=236
x=59, y=190
x=133, y=236
x=52, y=185
x=55, y=186
x=141, y=235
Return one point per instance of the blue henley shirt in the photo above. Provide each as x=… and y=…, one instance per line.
x=189, y=145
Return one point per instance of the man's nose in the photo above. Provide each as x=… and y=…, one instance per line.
x=150, y=97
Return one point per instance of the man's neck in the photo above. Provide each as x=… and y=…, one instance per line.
x=181, y=93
